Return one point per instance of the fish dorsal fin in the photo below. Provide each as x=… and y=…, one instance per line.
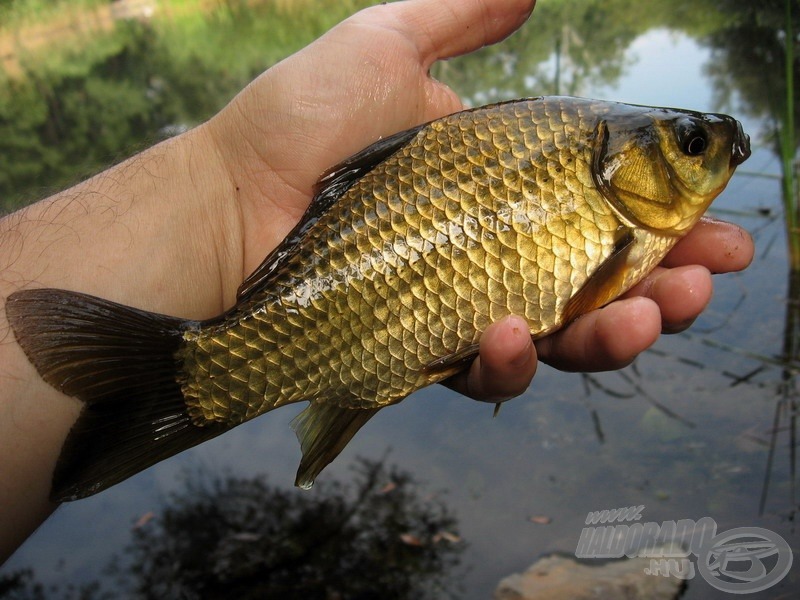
x=331, y=186
x=323, y=431
x=604, y=284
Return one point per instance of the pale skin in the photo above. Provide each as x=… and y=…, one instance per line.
x=176, y=228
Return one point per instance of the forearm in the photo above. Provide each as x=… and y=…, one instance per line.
x=159, y=231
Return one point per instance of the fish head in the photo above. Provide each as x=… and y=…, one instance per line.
x=661, y=168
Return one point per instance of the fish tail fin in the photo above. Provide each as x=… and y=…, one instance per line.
x=123, y=364
x=324, y=430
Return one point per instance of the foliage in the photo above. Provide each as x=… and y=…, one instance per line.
x=14, y=13
x=589, y=38
x=760, y=78
x=82, y=103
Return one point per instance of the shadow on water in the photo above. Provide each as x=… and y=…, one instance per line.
x=243, y=538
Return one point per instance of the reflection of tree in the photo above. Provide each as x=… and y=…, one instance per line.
x=754, y=65
x=22, y=585
x=786, y=408
x=19, y=585
x=759, y=76
x=84, y=103
x=753, y=73
x=55, y=124
x=567, y=47
x=243, y=538
x=78, y=109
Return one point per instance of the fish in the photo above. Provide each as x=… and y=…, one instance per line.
x=543, y=207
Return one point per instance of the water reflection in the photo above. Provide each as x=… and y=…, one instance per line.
x=759, y=78
x=786, y=407
x=95, y=95
x=244, y=538
x=101, y=96
x=569, y=47
x=689, y=431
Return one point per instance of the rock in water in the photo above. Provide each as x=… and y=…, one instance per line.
x=561, y=577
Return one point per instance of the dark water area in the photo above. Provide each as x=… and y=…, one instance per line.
x=435, y=498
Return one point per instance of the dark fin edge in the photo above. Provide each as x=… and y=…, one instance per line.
x=331, y=186
x=323, y=431
x=122, y=362
x=444, y=367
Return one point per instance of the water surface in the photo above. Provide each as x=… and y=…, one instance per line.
x=686, y=431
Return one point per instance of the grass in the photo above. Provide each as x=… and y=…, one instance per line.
x=788, y=149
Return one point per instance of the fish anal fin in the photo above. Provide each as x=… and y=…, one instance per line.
x=323, y=431
x=444, y=367
x=331, y=186
x=605, y=283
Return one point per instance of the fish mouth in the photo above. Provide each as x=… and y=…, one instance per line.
x=741, y=147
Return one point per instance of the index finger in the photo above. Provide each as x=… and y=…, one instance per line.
x=719, y=246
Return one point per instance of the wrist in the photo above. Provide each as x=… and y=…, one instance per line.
x=158, y=231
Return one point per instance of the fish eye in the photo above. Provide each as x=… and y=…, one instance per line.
x=692, y=137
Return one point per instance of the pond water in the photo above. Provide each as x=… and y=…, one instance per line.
x=702, y=425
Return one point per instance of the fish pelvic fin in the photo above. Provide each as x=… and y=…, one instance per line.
x=323, y=431
x=123, y=364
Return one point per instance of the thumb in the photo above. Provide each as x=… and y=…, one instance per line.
x=505, y=365
x=446, y=28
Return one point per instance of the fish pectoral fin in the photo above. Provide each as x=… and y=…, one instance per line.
x=331, y=186
x=605, y=283
x=323, y=431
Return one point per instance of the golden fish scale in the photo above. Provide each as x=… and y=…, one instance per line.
x=482, y=214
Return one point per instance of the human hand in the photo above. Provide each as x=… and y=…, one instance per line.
x=366, y=78
x=369, y=77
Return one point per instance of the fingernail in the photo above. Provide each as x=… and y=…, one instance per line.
x=668, y=328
